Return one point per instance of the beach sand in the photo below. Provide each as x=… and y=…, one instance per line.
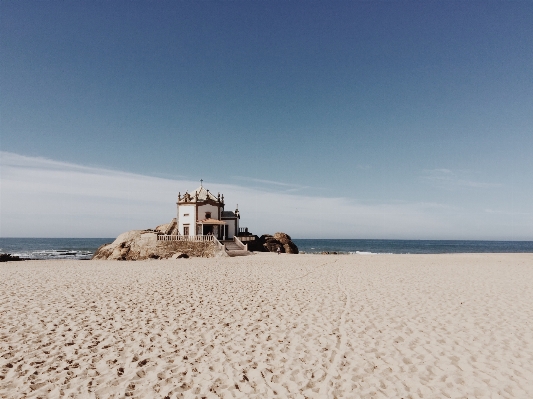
x=269, y=326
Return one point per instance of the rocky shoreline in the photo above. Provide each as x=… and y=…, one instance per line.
x=10, y=258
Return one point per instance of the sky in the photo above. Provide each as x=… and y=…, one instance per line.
x=321, y=119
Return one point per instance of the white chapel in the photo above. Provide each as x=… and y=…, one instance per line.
x=202, y=213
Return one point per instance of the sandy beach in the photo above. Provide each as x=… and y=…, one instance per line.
x=269, y=326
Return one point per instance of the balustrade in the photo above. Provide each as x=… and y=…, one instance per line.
x=240, y=244
x=166, y=237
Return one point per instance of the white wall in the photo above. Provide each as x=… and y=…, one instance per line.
x=231, y=228
x=190, y=220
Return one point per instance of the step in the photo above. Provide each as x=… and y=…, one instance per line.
x=238, y=253
x=230, y=245
x=232, y=249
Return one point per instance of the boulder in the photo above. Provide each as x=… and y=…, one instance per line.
x=180, y=255
x=143, y=244
x=271, y=243
x=9, y=258
x=162, y=228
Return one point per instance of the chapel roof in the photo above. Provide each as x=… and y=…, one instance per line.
x=203, y=194
x=199, y=195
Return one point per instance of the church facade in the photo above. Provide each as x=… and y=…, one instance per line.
x=202, y=213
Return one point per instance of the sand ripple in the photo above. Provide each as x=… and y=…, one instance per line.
x=301, y=326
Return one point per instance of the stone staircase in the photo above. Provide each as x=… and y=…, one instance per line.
x=232, y=249
x=172, y=227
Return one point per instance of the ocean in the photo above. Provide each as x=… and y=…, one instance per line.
x=348, y=246
x=84, y=248
x=52, y=248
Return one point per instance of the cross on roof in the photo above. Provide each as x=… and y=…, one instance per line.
x=201, y=182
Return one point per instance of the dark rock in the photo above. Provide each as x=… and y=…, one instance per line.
x=282, y=241
x=9, y=258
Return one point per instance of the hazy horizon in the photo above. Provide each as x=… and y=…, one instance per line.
x=83, y=201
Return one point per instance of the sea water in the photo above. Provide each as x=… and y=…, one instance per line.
x=363, y=247
x=84, y=248
x=52, y=248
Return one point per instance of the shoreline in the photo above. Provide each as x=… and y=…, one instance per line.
x=415, y=325
x=55, y=248
x=329, y=253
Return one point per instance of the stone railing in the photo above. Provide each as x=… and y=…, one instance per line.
x=220, y=246
x=201, y=238
x=240, y=244
x=247, y=238
x=171, y=226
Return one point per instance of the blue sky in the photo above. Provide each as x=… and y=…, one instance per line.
x=417, y=115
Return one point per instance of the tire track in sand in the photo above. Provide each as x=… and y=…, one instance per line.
x=314, y=270
x=333, y=370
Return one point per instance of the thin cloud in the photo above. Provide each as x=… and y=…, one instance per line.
x=289, y=187
x=46, y=198
x=447, y=179
x=277, y=183
x=508, y=213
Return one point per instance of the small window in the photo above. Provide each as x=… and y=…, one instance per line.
x=185, y=214
x=208, y=215
x=186, y=230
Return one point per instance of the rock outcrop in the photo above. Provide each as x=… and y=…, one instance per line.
x=168, y=228
x=9, y=258
x=282, y=241
x=143, y=244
